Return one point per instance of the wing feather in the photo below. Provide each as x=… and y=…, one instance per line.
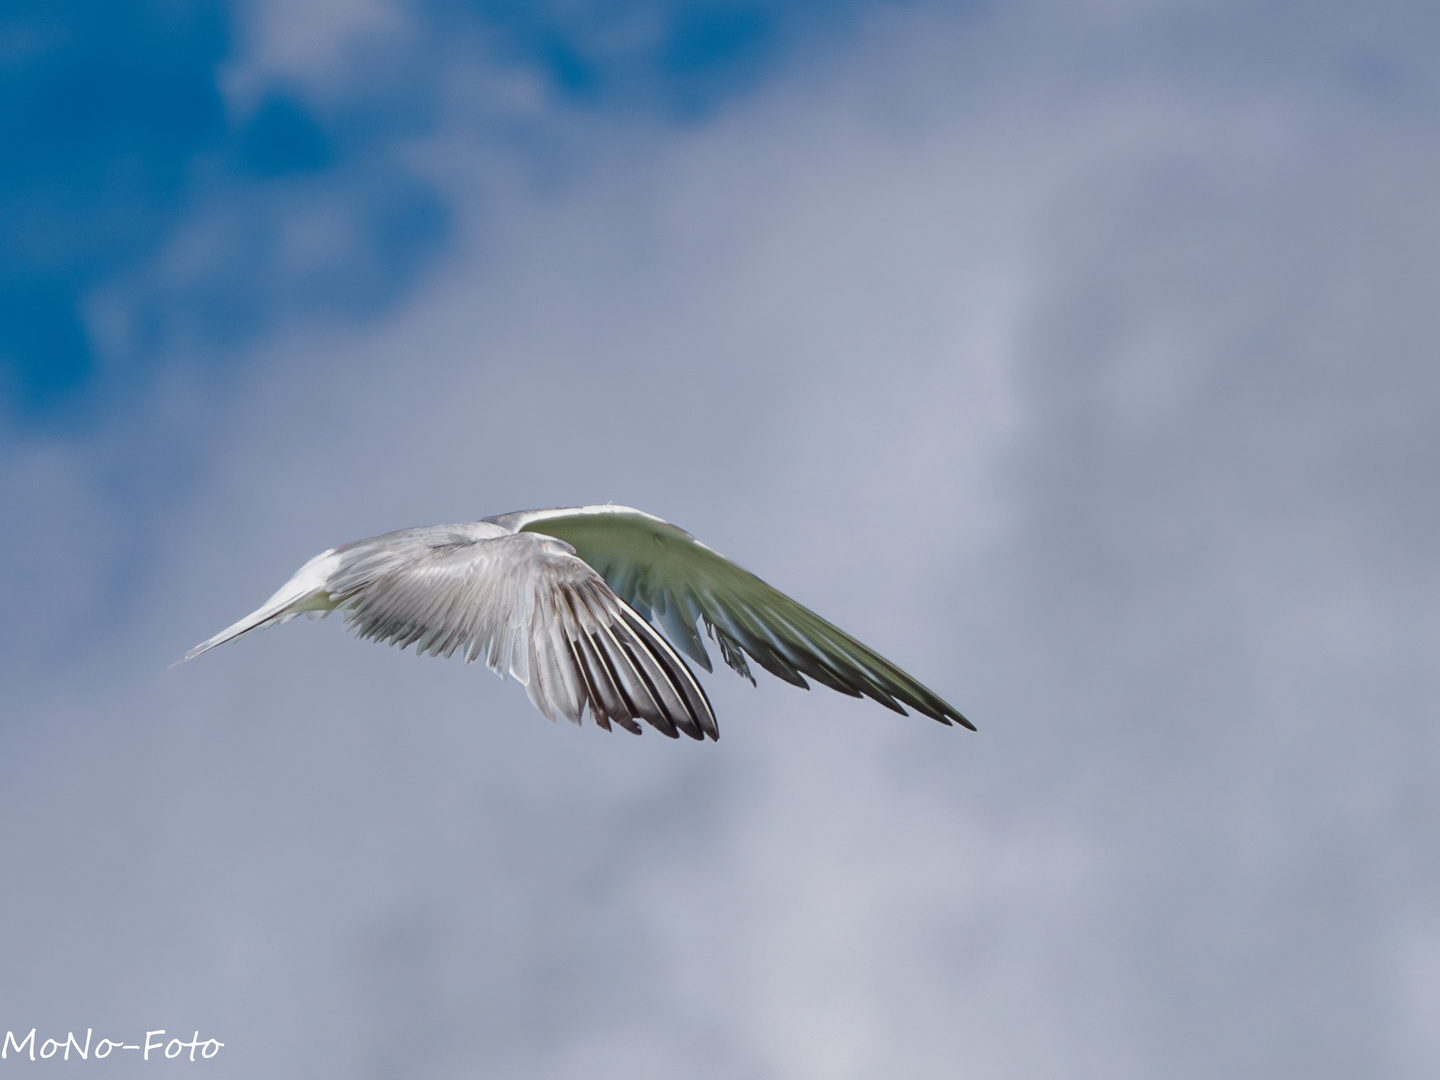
x=525, y=604
x=664, y=573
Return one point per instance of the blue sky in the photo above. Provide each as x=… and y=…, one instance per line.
x=1078, y=357
x=117, y=128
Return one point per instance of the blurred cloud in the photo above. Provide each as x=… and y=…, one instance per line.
x=1077, y=359
x=103, y=107
x=216, y=135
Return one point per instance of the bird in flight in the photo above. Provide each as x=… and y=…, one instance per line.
x=564, y=599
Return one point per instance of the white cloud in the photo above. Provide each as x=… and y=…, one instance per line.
x=318, y=46
x=1101, y=402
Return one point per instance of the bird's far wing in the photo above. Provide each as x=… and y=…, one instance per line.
x=530, y=608
x=666, y=574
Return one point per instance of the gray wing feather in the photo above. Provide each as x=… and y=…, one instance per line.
x=525, y=604
x=530, y=608
x=664, y=573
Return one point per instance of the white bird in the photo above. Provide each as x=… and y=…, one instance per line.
x=562, y=600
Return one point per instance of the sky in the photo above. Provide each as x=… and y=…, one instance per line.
x=1077, y=357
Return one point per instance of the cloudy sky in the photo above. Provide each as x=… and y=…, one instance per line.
x=1079, y=357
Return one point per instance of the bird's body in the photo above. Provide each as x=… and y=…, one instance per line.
x=562, y=600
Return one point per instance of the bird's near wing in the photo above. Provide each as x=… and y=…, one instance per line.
x=526, y=605
x=666, y=574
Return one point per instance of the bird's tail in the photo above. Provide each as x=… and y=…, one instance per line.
x=305, y=592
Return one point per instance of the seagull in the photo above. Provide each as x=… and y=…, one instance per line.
x=564, y=599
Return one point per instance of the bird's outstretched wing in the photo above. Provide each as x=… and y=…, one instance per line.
x=666, y=574
x=524, y=603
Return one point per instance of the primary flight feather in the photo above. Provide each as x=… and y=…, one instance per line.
x=564, y=599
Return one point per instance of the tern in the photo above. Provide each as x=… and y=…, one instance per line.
x=563, y=600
